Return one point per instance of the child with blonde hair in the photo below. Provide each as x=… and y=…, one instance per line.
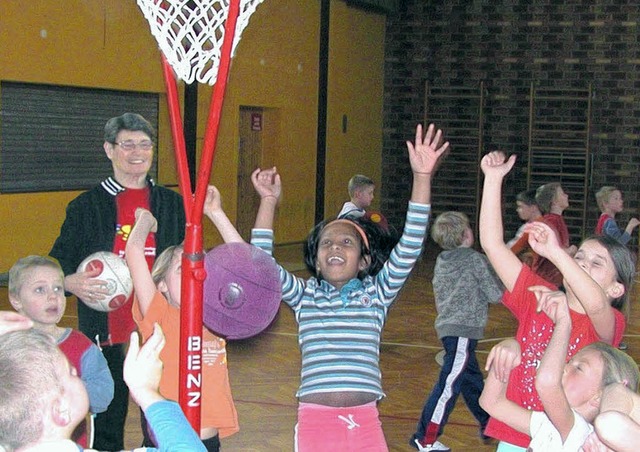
x=597, y=280
x=571, y=392
x=463, y=286
x=157, y=300
x=610, y=203
x=42, y=399
x=36, y=290
x=360, y=190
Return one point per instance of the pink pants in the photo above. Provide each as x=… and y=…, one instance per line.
x=321, y=428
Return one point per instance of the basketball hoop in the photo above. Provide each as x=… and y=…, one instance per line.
x=190, y=33
x=197, y=39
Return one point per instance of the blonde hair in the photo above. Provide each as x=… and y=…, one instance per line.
x=603, y=195
x=163, y=262
x=358, y=182
x=448, y=229
x=545, y=195
x=30, y=374
x=618, y=367
x=26, y=265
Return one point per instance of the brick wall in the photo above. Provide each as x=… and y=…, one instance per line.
x=509, y=44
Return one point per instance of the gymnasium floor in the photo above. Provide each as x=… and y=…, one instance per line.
x=265, y=370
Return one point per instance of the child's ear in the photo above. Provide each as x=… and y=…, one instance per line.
x=596, y=399
x=162, y=287
x=16, y=303
x=615, y=290
x=60, y=412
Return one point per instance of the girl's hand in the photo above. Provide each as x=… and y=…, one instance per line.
x=542, y=239
x=212, y=202
x=426, y=152
x=552, y=302
x=503, y=358
x=267, y=183
x=496, y=164
x=145, y=221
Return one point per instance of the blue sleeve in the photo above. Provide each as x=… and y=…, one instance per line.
x=396, y=270
x=172, y=430
x=292, y=286
x=97, y=379
x=611, y=229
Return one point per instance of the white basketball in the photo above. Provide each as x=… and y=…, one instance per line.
x=113, y=270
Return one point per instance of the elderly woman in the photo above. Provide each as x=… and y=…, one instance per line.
x=100, y=220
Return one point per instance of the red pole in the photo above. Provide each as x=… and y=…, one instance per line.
x=193, y=272
x=215, y=110
x=179, y=147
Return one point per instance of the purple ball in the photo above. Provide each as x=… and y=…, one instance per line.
x=242, y=290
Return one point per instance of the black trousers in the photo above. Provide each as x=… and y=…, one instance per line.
x=109, y=426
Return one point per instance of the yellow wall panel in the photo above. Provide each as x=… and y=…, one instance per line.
x=107, y=44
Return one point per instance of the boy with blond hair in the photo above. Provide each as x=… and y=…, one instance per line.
x=36, y=290
x=610, y=203
x=463, y=285
x=42, y=399
x=361, y=193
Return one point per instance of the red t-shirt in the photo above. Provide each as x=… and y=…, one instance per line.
x=601, y=221
x=533, y=335
x=542, y=266
x=121, y=322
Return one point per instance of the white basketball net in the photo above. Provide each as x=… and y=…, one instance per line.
x=190, y=33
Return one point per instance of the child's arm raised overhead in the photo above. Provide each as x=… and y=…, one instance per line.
x=268, y=186
x=213, y=210
x=495, y=167
x=549, y=374
x=424, y=156
x=588, y=292
x=143, y=284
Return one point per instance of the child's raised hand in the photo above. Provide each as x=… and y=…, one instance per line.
x=551, y=302
x=542, y=239
x=212, y=202
x=496, y=164
x=267, y=183
x=426, y=152
x=503, y=358
x=143, y=368
x=145, y=221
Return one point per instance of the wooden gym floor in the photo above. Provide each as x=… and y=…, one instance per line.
x=264, y=372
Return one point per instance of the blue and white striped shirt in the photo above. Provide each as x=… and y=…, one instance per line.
x=340, y=341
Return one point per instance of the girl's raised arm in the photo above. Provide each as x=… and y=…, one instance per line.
x=143, y=284
x=268, y=185
x=588, y=292
x=424, y=156
x=213, y=210
x=506, y=264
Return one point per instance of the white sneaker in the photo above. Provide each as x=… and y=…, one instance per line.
x=435, y=447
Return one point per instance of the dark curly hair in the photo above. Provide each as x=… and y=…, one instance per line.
x=381, y=242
